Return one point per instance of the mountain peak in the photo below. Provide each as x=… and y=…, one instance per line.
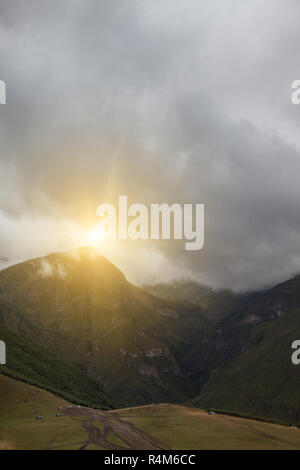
x=84, y=252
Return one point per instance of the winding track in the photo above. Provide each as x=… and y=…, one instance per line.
x=129, y=436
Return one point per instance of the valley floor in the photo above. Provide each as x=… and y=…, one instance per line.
x=150, y=427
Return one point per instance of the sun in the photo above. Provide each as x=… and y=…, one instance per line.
x=95, y=236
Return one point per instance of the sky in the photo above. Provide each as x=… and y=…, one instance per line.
x=186, y=102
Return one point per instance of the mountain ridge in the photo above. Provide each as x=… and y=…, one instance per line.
x=82, y=308
x=146, y=349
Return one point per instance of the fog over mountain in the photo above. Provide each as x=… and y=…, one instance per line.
x=171, y=102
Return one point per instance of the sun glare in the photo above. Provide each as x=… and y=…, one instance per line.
x=95, y=236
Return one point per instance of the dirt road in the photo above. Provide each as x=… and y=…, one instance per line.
x=113, y=434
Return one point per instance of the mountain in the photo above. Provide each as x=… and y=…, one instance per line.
x=82, y=309
x=250, y=368
x=30, y=362
x=215, y=303
x=72, y=322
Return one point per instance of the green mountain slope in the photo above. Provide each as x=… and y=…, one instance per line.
x=251, y=371
x=82, y=308
x=230, y=352
x=30, y=362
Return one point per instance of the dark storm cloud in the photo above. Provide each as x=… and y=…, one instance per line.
x=177, y=101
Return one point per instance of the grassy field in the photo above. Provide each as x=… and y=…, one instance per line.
x=19, y=405
x=188, y=428
x=159, y=426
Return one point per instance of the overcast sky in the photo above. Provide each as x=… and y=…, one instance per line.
x=166, y=101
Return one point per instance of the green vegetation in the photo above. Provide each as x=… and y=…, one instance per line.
x=19, y=405
x=72, y=322
x=175, y=427
x=189, y=428
x=262, y=379
x=81, y=308
x=30, y=362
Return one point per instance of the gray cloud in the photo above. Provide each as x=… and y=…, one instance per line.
x=177, y=101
